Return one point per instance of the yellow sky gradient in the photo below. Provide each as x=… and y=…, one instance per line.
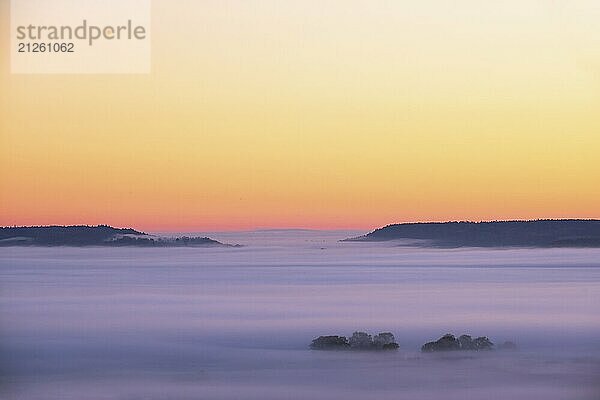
x=322, y=114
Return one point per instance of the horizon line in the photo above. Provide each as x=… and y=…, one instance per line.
x=307, y=229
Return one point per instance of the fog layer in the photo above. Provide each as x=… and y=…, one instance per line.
x=235, y=323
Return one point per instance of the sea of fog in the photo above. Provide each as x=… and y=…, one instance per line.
x=235, y=323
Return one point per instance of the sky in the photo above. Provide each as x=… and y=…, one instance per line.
x=316, y=114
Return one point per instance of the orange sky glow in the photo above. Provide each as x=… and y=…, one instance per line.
x=339, y=114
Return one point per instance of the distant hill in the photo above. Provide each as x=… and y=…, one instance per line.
x=101, y=235
x=536, y=233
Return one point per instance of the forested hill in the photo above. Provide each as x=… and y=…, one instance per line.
x=535, y=233
x=101, y=235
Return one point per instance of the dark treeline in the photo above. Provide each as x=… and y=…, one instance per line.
x=535, y=233
x=101, y=235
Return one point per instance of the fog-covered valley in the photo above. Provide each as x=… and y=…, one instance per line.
x=236, y=323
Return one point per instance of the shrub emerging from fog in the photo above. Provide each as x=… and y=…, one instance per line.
x=358, y=341
x=330, y=343
x=449, y=342
x=385, y=341
x=361, y=341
